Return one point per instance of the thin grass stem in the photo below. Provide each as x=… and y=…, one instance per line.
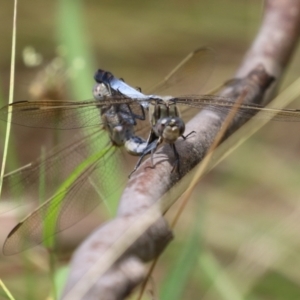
x=11, y=93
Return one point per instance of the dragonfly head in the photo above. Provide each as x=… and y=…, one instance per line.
x=101, y=90
x=169, y=128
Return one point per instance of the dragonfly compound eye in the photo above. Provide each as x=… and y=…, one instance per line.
x=100, y=90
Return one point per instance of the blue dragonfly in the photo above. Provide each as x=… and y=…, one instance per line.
x=121, y=107
x=120, y=114
x=166, y=124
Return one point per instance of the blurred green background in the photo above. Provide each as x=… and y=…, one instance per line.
x=239, y=238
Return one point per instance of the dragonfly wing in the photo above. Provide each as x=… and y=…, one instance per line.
x=245, y=111
x=55, y=114
x=54, y=167
x=58, y=213
x=189, y=76
x=74, y=196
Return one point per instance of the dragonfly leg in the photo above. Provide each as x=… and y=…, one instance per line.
x=186, y=136
x=130, y=114
x=140, y=117
x=151, y=148
x=176, y=166
x=155, y=143
x=152, y=144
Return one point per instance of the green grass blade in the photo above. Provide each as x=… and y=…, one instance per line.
x=60, y=280
x=12, y=159
x=175, y=285
x=6, y=291
x=72, y=37
x=222, y=283
x=55, y=207
x=11, y=93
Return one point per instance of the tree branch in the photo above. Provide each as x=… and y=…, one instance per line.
x=266, y=60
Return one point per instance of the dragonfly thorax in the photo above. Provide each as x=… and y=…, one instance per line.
x=166, y=121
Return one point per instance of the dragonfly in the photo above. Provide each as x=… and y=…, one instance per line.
x=166, y=122
x=164, y=117
x=120, y=107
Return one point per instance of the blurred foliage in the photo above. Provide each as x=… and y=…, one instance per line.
x=248, y=243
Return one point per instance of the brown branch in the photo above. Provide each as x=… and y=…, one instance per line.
x=266, y=60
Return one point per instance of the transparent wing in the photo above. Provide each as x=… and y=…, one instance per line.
x=71, y=203
x=75, y=196
x=247, y=111
x=189, y=76
x=56, y=114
